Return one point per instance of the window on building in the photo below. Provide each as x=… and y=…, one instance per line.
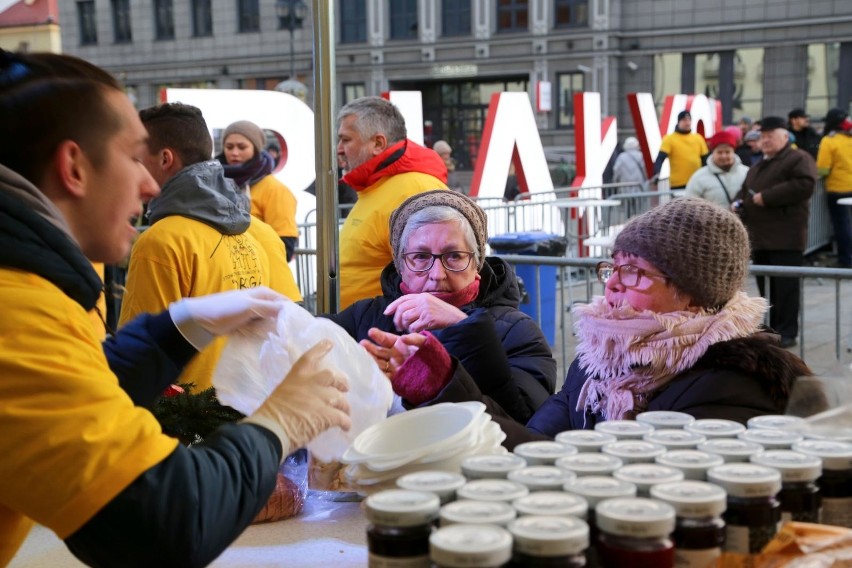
x=403, y=19
x=570, y=13
x=202, y=18
x=86, y=19
x=455, y=17
x=353, y=21
x=512, y=15
x=567, y=84
x=823, y=78
x=121, y=21
x=352, y=91
x=248, y=15
x=164, y=19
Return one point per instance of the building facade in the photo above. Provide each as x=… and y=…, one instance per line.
x=30, y=25
x=758, y=57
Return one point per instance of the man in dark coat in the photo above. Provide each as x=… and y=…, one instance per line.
x=774, y=206
x=807, y=139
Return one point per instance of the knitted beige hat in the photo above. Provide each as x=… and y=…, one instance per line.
x=437, y=198
x=251, y=131
x=702, y=247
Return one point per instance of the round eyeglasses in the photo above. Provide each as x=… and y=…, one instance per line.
x=454, y=260
x=628, y=274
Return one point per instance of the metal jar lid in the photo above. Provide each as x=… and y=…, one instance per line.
x=472, y=546
x=675, y=439
x=665, y=418
x=635, y=517
x=491, y=465
x=468, y=512
x=834, y=455
x=692, y=499
x=549, y=536
x=492, y=490
x=644, y=475
x=402, y=508
x=543, y=452
x=693, y=463
x=634, y=451
x=715, y=428
x=552, y=504
x=585, y=440
x=771, y=439
x=624, y=429
x=590, y=464
x=596, y=488
x=795, y=467
x=746, y=479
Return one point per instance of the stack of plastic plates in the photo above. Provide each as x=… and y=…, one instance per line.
x=435, y=437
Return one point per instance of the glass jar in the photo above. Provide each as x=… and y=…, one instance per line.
x=663, y=419
x=584, y=464
x=835, y=483
x=492, y=490
x=715, y=428
x=635, y=533
x=675, y=439
x=776, y=422
x=545, y=542
x=470, y=546
x=799, y=496
x=732, y=450
x=699, y=529
x=634, y=451
x=543, y=452
x=467, y=512
x=542, y=477
x=585, y=441
x=444, y=484
x=624, y=429
x=552, y=504
x=693, y=463
x=401, y=522
x=496, y=466
x=771, y=439
x=644, y=475
x=754, y=512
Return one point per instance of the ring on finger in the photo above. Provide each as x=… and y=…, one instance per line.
x=387, y=365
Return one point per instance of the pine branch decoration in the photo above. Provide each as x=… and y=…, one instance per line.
x=190, y=416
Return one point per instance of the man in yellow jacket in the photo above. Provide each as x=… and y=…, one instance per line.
x=385, y=168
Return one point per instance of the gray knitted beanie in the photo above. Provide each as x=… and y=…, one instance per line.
x=702, y=247
x=251, y=131
x=438, y=198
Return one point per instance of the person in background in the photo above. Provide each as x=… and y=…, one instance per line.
x=200, y=239
x=275, y=151
x=721, y=179
x=774, y=205
x=673, y=331
x=685, y=150
x=750, y=152
x=834, y=163
x=799, y=125
x=251, y=167
x=441, y=283
x=446, y=152
x=745, y=125
x=629, y=167
x=385, y=168
x=81, y=454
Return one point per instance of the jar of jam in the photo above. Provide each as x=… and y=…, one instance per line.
x=699, y=529
x=771, y=439
x=584, y=464
x=552, y=504
x=444, y=484
x=835, y=483
x=799, y=496
x=470, y=546
x=542, y=477
x=635, y=533
x=634, y=451
x=624, y=429
x=665, y=419
x=543, y=452
x=467, y=512
x=545, y=542
x=715, y=428
x=693, y=463
x=401, y=522
x=776, y=422
x=585, y=441
x=754, y=512
x=732, y=450
x=675, y=439
x=491, y=466
x=492, y=490
x=644, y=475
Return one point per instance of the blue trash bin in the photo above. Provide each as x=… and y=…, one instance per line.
x=535, y=243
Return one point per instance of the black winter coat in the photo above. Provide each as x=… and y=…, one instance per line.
x=734, y=380
x=500, y=347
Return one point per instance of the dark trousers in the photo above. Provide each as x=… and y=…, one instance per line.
x=840, y=220
x=784, y=292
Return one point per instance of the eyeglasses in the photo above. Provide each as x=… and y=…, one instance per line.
x=454, y=260
x=628, y=274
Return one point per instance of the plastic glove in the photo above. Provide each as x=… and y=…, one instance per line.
x=201, y=319
x=309, y=401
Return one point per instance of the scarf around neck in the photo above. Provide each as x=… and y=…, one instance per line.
x=250, y=172
x=628, y=355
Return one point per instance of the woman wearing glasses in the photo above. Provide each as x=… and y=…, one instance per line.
x=673, y=331
x=455, y=306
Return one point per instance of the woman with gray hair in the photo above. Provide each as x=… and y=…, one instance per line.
x=458, y=306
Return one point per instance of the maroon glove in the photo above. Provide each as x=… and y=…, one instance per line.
x=423, y=375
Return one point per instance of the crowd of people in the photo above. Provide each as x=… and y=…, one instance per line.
x=82, y=452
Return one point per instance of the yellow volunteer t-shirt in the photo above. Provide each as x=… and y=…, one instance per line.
x=684, y=151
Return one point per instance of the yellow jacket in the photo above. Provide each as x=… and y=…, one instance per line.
x=273, y=203
x=834, y=161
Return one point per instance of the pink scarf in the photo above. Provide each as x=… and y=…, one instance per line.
x=628, y=355
x=458, y=298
